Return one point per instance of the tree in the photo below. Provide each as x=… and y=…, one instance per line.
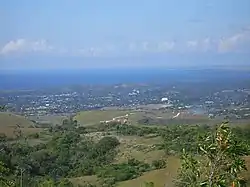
x=220, y=163
x=47, y=183
x=158, y=164
x=17, y=131
x=4, y=181
x=3, y=108
x=3, y=137
x=107, y=143
x=149, y=184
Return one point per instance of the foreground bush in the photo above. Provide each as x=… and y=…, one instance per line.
x=220, y=164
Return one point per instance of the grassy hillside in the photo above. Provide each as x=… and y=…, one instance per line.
x=139, y=147
x=50, y=119
x=78, y=148
x=93, y=117
x=9, y=121
x=146, y=117
x=166, y=176
x=160, y=177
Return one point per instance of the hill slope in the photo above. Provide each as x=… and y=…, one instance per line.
x=9, y=121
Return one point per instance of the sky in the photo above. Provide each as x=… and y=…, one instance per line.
x=106, y=33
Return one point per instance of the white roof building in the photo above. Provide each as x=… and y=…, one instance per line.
x=164, y=99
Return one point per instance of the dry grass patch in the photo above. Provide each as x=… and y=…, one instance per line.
x=139, y=148
x=246, y=174
x=9, y=121
x=9, y=131
x=147, y=157
x=85, y=180
x=49, y=119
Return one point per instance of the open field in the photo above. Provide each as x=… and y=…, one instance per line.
x=94, y=117
x=146, y=117
x=8, y=123
x=50, y=119
x=151, y=117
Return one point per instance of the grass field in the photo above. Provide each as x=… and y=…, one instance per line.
x=139, y=148
x=9, y=121
x=153, y=117
x=53, y=120
x=94, y=117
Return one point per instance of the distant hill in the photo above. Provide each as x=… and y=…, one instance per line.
x=9, y=121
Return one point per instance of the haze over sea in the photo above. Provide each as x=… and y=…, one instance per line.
x=42, y=79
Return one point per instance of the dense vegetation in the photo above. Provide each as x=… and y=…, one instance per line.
x=70, y=153
x=220, y=164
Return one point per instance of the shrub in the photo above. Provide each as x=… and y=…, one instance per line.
x=159, y=164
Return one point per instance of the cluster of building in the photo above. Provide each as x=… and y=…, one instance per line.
x=230, y=103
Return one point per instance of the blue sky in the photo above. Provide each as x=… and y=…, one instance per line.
x=82, y=30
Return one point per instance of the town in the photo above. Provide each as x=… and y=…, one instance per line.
x=214, y=101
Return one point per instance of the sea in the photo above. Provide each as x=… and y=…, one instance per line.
x=35, y=79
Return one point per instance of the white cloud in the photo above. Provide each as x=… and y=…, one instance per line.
x=24, y=45
x=151, y=46
x=203, y=45
x=166, y=46
x=92, y=51
x=235, y=42
x=192, y=44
